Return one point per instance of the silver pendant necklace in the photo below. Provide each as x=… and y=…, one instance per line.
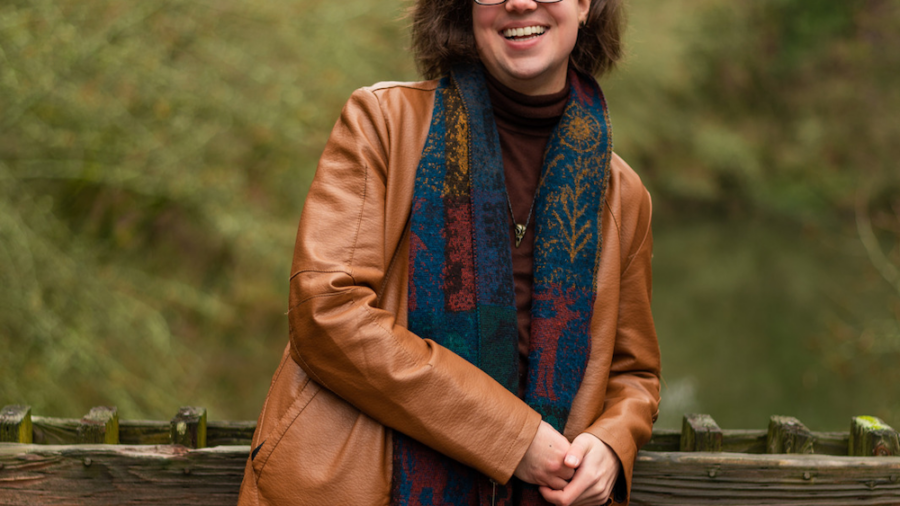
x=520, y=229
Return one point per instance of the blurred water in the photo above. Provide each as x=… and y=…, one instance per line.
x=756, y=319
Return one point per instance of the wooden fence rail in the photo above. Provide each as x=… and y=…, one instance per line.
x=188, y=460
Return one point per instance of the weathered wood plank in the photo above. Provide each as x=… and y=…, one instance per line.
x=229, y=433
x=99, y=426
x=188, y=427
x=669, y=478
x=748, y=441
x=113, y=475
x=871, y=437
x=62, y=431
x=744, y=441
x=664, y=440
x=49, y=430
x=700, y=433
x=15, y=424
x=789, y=435
x=174, y=475
x=55, y=431
x=145, y=432
x=831, y=443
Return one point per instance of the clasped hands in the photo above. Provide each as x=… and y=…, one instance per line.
x=578, y=474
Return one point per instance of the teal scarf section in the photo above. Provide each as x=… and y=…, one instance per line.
x=461, y=291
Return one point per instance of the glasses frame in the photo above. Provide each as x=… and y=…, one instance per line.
x=490, y=3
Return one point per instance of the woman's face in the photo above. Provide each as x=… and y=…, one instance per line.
x=525, y=44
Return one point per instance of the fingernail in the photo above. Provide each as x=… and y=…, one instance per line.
x=571, y=460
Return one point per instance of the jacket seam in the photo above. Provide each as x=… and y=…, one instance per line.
x=394, y=259
x=389, y=333
x=613, y=215
x=265, y=406
x=630, y=259
x=305, y=366
x=372, y=320
x=319, y=295
x=319, y=271
x=280, y=439
x=359, y=219
x=423, y=86
x=384, y=118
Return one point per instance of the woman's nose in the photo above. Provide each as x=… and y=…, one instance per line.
x=521, y=5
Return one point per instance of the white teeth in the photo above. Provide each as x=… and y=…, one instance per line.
x=527, y=31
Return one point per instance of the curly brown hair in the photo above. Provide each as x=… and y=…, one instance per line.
x=442, y=36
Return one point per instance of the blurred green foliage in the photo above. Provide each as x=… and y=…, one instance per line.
x=765, y=133
x=154, y=157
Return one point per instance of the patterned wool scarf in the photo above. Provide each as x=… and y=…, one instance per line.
x=461, y=290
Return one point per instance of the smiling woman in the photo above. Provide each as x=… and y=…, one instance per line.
x=479, y=332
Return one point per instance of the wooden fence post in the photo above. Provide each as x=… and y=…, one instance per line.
x=700, y=433
x=15, y=424
x=99, y=426
x=188, y=427
x=871, y=437
x=789, y=435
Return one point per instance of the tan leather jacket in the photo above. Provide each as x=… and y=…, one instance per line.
x=352, y=371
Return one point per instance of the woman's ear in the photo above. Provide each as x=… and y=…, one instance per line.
x=584, y=8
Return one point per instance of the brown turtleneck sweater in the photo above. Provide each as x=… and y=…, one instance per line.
x=525, y=124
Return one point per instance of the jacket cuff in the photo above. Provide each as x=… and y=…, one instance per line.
x=510, y=461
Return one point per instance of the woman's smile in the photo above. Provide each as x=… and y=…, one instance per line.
x=526, y=33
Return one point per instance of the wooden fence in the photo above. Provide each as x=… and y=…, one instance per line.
x=101, y=460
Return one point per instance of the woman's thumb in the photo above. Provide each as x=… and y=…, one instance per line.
x=574, y=455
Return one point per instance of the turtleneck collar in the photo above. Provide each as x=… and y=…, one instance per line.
x=526, y=114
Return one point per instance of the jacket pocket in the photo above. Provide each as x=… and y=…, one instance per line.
x=329, y=453
x=269, y=440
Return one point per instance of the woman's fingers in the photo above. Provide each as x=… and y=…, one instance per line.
x=594, y=478
x=555, y=483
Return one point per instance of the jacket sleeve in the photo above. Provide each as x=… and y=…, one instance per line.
x=346, y=244
x=632, y=393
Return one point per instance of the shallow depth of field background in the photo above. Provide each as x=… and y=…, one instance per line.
x=154, y=158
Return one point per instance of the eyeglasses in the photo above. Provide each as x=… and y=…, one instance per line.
x=498, y=2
